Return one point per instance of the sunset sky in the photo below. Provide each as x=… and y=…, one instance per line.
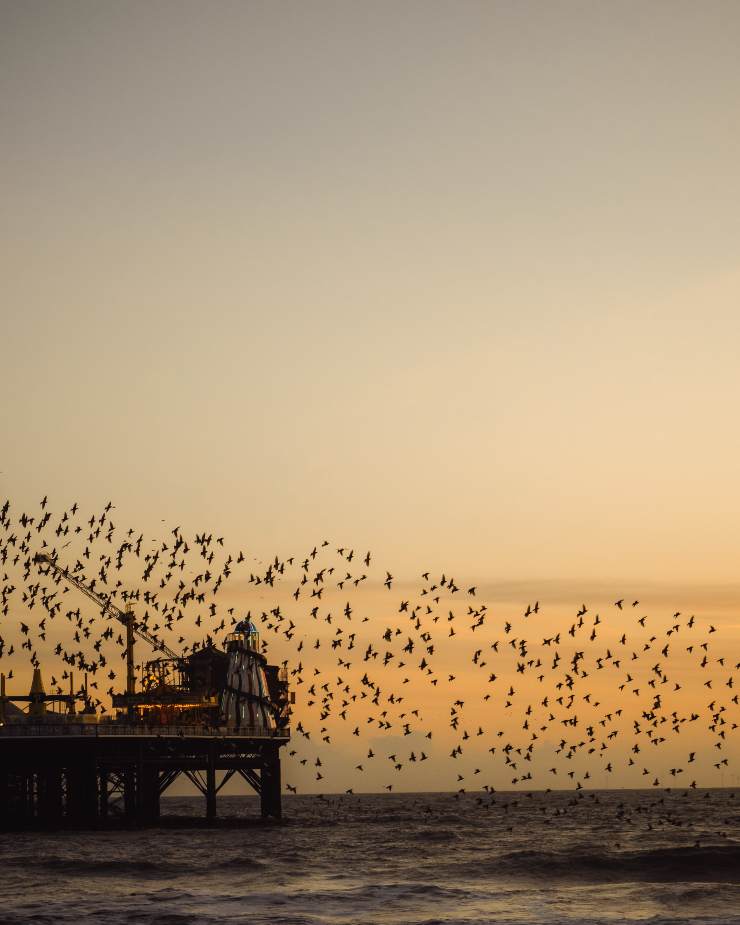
x=456, y=282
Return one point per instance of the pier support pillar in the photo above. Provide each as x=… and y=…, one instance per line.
x=50, y=794
x=270, y=796
x=147, y=793
x=211, y=783
x=103, y=794
x=129, y=792
x=82, y=789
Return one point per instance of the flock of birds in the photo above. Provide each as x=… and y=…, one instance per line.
x=439, y=677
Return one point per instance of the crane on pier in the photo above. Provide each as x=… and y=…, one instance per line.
x=109, y=609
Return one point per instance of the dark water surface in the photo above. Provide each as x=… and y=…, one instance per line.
x=407, y=858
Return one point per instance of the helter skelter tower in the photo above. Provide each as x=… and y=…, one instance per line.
x=246, y=701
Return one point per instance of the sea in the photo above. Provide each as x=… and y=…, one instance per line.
x=396, y=859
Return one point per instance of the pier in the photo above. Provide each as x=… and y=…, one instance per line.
x=207, y=715
x=96, y=774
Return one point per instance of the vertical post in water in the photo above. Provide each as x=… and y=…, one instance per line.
x=211, y=781
x=103, y=791
x=129, y=790
x=270, y=780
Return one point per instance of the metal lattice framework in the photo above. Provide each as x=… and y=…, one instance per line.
x=107, y=778
x=107, y=607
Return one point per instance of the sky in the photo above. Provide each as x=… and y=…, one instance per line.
x=454, y=282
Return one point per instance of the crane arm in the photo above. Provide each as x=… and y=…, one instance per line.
x=106, y=607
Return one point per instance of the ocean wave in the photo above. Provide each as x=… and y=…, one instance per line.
x=92, y=866
x=435, y=835
x=244, y=860
x=718, y=863
x=697, y=893
x=714, y=863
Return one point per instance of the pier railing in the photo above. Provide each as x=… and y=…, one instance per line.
x=103, y=730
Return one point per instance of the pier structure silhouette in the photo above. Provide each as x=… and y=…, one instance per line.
x=77, y=774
